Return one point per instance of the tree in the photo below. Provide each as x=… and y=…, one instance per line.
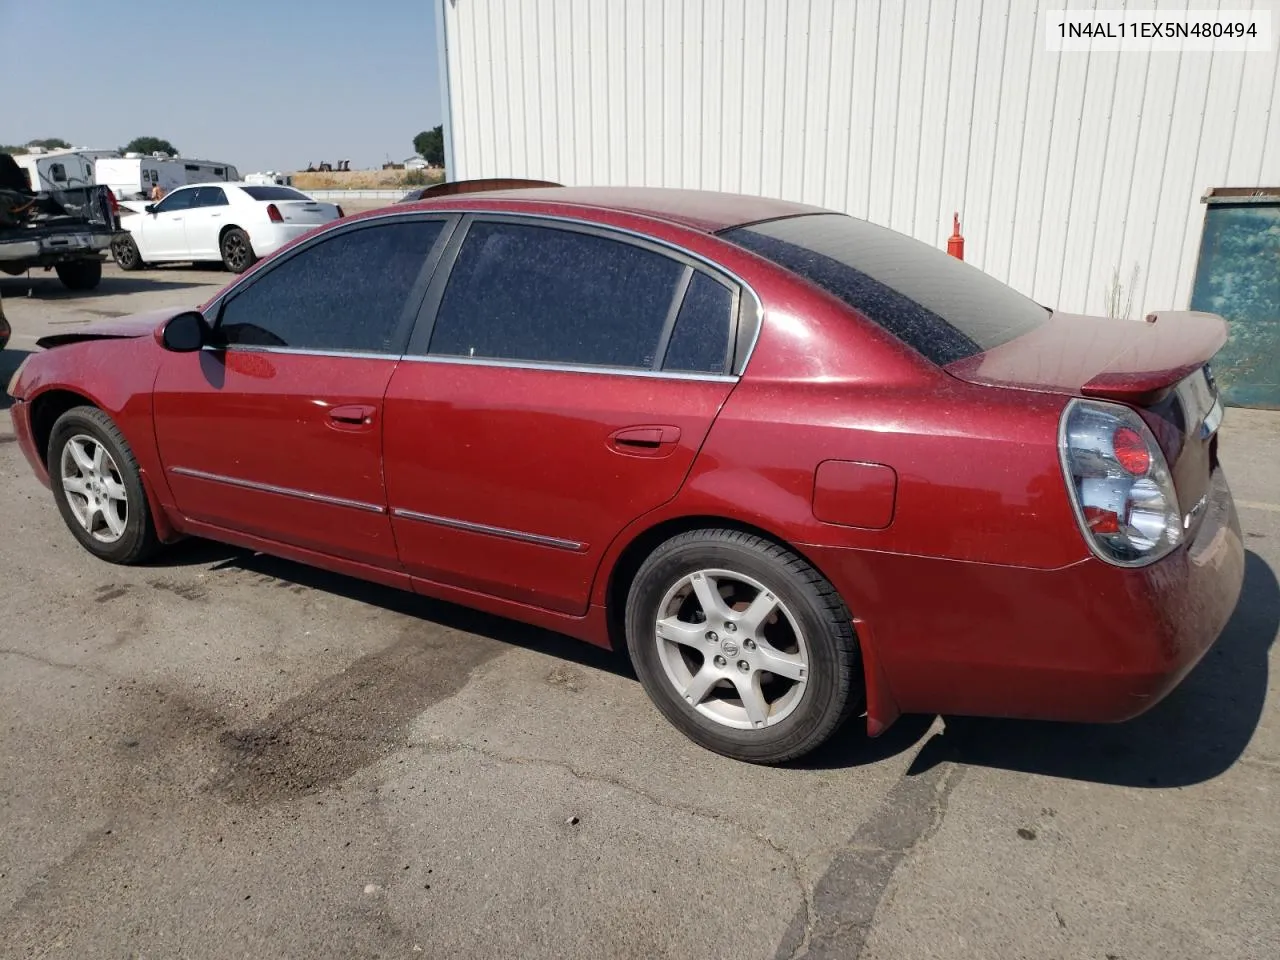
x=430, y=145
x=52, y=143
x=150, y=145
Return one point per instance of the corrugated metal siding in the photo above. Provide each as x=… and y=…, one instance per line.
x=1066, y=168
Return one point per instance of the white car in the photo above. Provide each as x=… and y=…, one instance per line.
x=236, y=223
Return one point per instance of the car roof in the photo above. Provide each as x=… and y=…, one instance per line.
x=703, y=210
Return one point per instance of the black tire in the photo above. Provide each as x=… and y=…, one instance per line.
x=124, y=250
x=833, y=689
x=138, y=539
x=237, y=251
x=79, y=274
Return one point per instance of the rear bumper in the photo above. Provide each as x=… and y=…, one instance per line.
x=55, y=249
x=1088, y=642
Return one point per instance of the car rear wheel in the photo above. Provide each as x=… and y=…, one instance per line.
x=98, y=487
x=237, y=251
x=79, y=274
x=743, y=645
x=124, y=250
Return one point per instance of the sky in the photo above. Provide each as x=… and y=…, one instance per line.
x=269, y=85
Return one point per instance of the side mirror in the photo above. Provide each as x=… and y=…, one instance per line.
x=186, y=333
x=150, y=208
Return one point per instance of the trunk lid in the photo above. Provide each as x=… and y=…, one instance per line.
x=306, y=211
x=1159, y=366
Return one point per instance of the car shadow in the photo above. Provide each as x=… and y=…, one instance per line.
x=10, y=360
x=42, y=287
x=1196, y=733
x=218, y=556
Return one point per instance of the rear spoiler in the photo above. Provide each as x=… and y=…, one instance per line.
x=476, y=186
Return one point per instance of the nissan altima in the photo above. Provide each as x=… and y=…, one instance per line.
x=798, y=467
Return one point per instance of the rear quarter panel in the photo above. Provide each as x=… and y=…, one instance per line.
x=977, y=472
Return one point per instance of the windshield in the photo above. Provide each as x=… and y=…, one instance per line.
x=274, y=193
x=941, y=306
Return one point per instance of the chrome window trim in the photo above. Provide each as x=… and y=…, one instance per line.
x=571, y=368
x=748, y=299
x=300, y=351
x=507, y=534
x=283, y=491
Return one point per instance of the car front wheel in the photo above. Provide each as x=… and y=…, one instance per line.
x=743, y=645
x=98, y=487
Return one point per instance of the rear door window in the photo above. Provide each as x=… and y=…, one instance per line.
x=358, y=290
x=703, y=329
x=552, y=295
x=210, y=197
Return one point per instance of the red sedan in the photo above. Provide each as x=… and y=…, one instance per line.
x=800, y=466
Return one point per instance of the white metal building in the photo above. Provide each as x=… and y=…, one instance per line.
x=1066, y=168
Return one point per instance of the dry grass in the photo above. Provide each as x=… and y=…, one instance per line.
x=364, y=179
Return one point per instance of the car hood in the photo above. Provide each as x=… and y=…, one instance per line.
x=137, y=325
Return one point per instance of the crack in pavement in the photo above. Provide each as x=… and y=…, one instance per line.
x=46, y=661
x=444, y=744
x=845, y=899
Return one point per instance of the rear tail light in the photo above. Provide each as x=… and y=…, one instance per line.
x=1119, y=483
x=273, y=213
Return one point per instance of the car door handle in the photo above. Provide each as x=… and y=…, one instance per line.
x=650, y=440
x=351, y=415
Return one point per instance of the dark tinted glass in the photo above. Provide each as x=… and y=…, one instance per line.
x=178, y=200
x=556, y=296
x=349, y=292
x=210, y=197
x=700, y=340
x=943, y=307
x=275, y=193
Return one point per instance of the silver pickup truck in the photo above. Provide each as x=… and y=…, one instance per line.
x=69, y=231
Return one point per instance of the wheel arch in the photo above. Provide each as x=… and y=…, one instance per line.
x=46, y=407
x=881, y=707
x=623, y=571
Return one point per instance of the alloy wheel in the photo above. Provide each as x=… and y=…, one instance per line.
x=236, y=251
x=94, y=488
x=732, y=649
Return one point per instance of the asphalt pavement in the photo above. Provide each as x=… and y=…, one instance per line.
x=222, y=754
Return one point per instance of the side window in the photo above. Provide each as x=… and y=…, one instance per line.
x=210, y=197
x=535, y=293
x=57, y=173
x=700, y=340
x=178, y=200
x=349, y=292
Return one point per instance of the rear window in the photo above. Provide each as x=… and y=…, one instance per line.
x=942, y=307
x=274, y=193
